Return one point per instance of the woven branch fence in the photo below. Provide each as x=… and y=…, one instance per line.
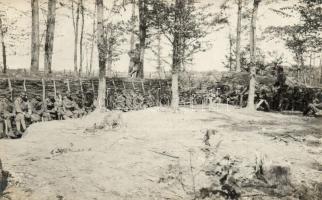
x=13, y=87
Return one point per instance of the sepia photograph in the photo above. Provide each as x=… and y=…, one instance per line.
x=160, y=99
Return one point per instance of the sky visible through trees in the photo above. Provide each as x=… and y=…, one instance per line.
x=19, y=12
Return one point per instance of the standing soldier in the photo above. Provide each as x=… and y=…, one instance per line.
x=59, y=106
x=22, y=111
x=281, y=88
x=134, y=61
x=6, y=114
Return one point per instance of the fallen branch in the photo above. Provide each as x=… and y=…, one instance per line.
x=165, y=154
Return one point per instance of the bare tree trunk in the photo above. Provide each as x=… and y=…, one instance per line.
x=50, y=34
x=320, y=65
x=230, y=52
x=92, y=44
x=176, y=55
x=109, y=62
x=239, y=19
x=101, y=55
x=4, y=53
x=81, y=39
x=132, y=39
x=35, y=43
x=110, y=51
x=142, y=35
x=160, y=67
x=302, y=67
x=76, y=27
x=252, y=82
x=86, y=58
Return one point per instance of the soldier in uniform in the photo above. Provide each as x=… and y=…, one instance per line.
x=59, y=106
x=313, y=108
x=79, y=108
x=280, y=87
x=89, y=102
x=68, y=107
x=50, y=111
x=134, y=61
x=6, y=115
x=36, y=109
x=263, y=99
x=23, y=111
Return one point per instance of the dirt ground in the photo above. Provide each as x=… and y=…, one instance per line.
x=215, y=153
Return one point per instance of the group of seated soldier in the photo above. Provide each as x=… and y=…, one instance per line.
x=23, y=112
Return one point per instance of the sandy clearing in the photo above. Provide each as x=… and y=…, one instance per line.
x=155, y=147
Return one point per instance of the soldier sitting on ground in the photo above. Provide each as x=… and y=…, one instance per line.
x=6, y=115
x=79, y=108
x=263, y=99
x=23, y=111
x=314, y=108
x=36, y=109
x=50, y=112
x=89, y=102
x=68, y=107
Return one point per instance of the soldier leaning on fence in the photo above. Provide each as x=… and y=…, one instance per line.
x=22, y=110
x=6, y=114
x=37, y=109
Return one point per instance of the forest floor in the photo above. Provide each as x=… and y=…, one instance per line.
x=218, y=153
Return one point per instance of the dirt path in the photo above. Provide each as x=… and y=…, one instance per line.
x=158, y=154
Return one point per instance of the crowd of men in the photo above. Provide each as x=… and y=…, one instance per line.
x=24, y=111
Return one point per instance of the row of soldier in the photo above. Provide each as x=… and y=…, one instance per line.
x=22, y=111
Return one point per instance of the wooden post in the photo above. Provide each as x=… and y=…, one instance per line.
x=93, y=88
x=24, y=85
x=43, y=90
x=10, y=89
x=133, y=84
x=68, y=87
x=82, y=91
x=55, y=90
x=123, y=85
x=160, y=84
x=159, y=97
x=143, y=89
x=114, y=84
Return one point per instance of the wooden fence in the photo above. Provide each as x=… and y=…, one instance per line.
x=11, y=88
